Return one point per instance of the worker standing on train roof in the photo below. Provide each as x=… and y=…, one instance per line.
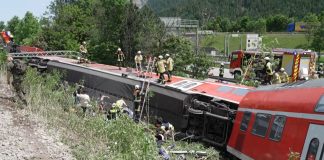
x=268, y=71
x=161, y=69
x=137, y=102
x=221, y=70
x=138, y=61
x=120, y=58
x=320, y=71
x=284, y=77
x=169, y=64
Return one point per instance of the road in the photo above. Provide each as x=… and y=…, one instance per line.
x=24, y=136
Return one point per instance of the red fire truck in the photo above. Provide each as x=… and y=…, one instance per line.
x=296, y=62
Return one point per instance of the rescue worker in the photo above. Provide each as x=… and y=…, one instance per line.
x=102, y=103
x=169, y=66
x=276, y=78
x=268, y=71
x=76, y=92
x=116, y=108
x=84, y=53
x=137, y=102
x=284, y=77
x=18, y=69
x=221, y=70
x=313, y=75
x=320, y=71
x=165, y=128
x=160, y=64
x=84, y=100
x=120, y=58
x=138, y=61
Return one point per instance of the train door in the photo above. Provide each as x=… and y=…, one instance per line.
x=314, y=143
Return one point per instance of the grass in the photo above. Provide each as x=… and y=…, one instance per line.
x=92, y=137
x=285, y=41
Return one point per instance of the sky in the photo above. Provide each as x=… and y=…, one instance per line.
x=10, y=8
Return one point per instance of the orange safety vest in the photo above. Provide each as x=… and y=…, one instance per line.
x=5, y=37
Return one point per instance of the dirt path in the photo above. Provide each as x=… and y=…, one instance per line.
x=23, y=137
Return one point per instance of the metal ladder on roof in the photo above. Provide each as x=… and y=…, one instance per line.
x=146, y=85
x=44, y=54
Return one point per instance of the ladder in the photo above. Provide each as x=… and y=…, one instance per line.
x=248, y=68
x=146, y=85
x=44, y=54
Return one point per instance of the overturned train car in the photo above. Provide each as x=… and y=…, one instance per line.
x=201, y=109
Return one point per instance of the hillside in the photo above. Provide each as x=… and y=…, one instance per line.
x=201, y=9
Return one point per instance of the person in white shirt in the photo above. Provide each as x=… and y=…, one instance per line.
x=84, y=100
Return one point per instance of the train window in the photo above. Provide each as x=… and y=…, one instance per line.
x=224, y=89
x=277, y=128
x=245, y=121
x=240, y=91
x=320, y=105
x=261, y=124
x=312, y=150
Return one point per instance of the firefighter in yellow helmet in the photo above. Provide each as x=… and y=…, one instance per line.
x=268, y=71
x=283, y=76
x=169, y=66
x=160, y=64
x=116, y=108
x=138, y=61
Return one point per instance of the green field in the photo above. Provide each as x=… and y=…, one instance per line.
x=284, y=41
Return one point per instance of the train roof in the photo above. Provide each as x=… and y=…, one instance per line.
x=301, y=97
x=229, y=92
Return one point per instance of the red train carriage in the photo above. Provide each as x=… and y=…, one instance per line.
x=273, y=121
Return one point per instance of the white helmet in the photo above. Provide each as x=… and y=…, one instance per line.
x=167, y=55
x=137, y=86
x=119, y=49
x=222, y=64
x=160, y=56
x=267, y=58
x=282, y=69
x=139, y=52
x=84, y=42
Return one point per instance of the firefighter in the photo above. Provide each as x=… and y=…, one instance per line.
x=165, y=128
x=160, y=64
x=320, y=71
x=276, y=78
x=138, y=61
x=313, y=75
x=83, y=100
x=283, y=76
x=137, y=102
x=84, y=52
x=268, y=71
x=120, y=58
x=169, y=64
x=116, y=108
x=221, y=70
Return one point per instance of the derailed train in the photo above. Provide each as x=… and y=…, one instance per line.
x=219, y=113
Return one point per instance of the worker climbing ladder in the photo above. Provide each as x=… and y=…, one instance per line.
x=146, y=87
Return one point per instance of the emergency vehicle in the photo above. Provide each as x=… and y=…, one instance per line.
x=273, y=121
x=296, y=62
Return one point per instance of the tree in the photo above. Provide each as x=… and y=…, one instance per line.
x=12, y=24
x=27, y=29
x=186, y=61
x=312, y=23
x=2, y=25
x=318, y=39
x=277, y=23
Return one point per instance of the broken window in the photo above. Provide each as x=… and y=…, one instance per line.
x=277, y=128
x=261, y=124
x=245, y=121
x=320, y=105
